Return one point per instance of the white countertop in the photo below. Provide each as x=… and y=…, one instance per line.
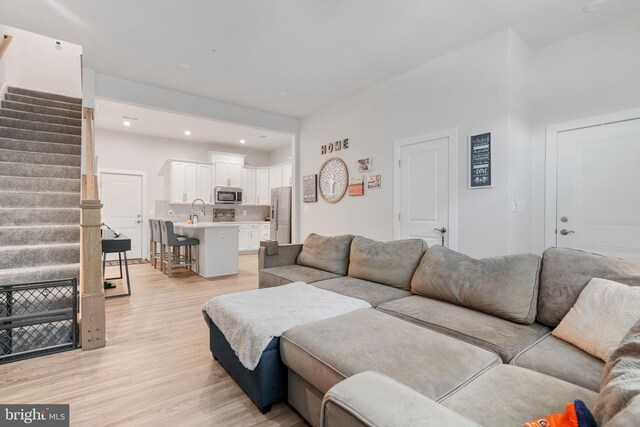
x=207, y=225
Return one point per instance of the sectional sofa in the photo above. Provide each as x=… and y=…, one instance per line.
x=450, y=340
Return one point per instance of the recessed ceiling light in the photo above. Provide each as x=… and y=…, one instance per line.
x=126, y=123
x=184, y=65
x=594, y=5
x=242, y=141
x=263, y=136
x=282, y=93
x=187, y=132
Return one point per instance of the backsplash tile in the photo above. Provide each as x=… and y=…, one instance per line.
x=181, y=212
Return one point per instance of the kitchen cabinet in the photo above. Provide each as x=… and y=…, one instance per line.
x=249, y=188
x=255, y=231
x=228, y=174
x=265, y=232
x=243, y=238
x=287, y=174
x=183, y=182
x=204, y=174
x=263, y=191
x=275, y=176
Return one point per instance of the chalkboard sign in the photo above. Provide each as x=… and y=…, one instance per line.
x=310, y=188
x=480, y=161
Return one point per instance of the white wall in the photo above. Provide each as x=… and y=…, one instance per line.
x=34, y=62
x=129, y=151
x=588, y=75
x=466, y=89
x=281, y=155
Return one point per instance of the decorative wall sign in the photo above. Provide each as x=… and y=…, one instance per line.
x=365, y=165
x=343, y=144
x=356, y=186
x=310, y=188
x=374, y=182
x=480, y=161
x=334, y=178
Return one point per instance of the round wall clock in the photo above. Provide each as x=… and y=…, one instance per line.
x=334, y=179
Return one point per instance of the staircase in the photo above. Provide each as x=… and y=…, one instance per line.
x=40, y=143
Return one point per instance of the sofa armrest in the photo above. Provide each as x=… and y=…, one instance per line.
x=271, y=254
x=373, y=400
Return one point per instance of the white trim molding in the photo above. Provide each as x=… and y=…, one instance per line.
x=452, y=136
x=551, y=162
x=145, y=227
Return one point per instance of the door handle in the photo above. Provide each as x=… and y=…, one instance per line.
x=564, y=232
x=441, y=230
x=138, y=221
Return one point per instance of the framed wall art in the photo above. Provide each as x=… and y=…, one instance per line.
x=333, y=180
x=310, y=188
x=480, y=165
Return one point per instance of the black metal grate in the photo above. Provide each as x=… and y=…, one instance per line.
x=38, y=318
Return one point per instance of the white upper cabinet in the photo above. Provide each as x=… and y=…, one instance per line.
x=249, y=188
x=286, y=175
x=275, y=176
x=228, y=174
x=263, y=191
x=205, y=178
x=235, y=175
x=183, y=182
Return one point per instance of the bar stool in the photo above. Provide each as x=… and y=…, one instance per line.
x=155, y=238
x=171, y=244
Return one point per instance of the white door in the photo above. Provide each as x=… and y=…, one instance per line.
x=423, y=190
x=235, y=175
x=121, y=195
x=598, y=202
x=249, y=187
x=262, y=184
x=177, y=182
x=204, y=183
x=222, y=174
x=275, y=177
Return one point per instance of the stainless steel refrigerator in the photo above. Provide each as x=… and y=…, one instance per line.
x=281, y=214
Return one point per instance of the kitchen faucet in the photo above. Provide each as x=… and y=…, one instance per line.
x=194, y=217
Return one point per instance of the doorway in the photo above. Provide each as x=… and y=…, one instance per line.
x=425, y=196
x=597, y=207
x=123, y=197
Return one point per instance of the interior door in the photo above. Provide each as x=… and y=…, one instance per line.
x=424, y=191
x=121, y=195
x=598, y=206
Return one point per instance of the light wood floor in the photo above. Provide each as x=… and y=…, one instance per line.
x=156, y=368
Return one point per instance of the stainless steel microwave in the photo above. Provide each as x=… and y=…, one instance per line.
x=228, y=195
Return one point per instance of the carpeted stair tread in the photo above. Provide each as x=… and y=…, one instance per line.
x=36, y=135
x=39, y=146
x=39, y=234
x=41, y=118
x=39, y=126
x=20, y=199
x=39, y=216
x=23, y=183
x=41, y=171
x=42, y=102
x=38, y=255
x=44, y=95
x=50, y=111
x=16, y=156
x=16, y=276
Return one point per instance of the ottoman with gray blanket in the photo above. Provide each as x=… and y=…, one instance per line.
x=245, y=328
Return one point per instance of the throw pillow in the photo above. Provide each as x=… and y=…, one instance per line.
x=618, y=403
x=326, y=253
x=576, y=415
x=603, y=313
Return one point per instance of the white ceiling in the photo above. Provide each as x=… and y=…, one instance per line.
x=147, y=121
x=314, y=52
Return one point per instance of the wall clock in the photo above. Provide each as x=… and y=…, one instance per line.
x=334, y=179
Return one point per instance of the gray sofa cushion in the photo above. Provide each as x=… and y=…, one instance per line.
x=565, y=272
x=505, y=286
x=618, y=404
x=326, y=253
x=374, y=293
x=389, y=263
x=328, y=351
x=508, y=396
x=558, y=358
x=501, y=336
x=277, y=276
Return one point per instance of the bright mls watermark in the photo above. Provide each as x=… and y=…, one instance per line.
x=34, y=415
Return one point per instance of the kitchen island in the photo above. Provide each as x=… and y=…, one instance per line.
x=218, y=249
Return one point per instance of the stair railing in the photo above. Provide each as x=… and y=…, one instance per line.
x=6, y=41
x=92, y=302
